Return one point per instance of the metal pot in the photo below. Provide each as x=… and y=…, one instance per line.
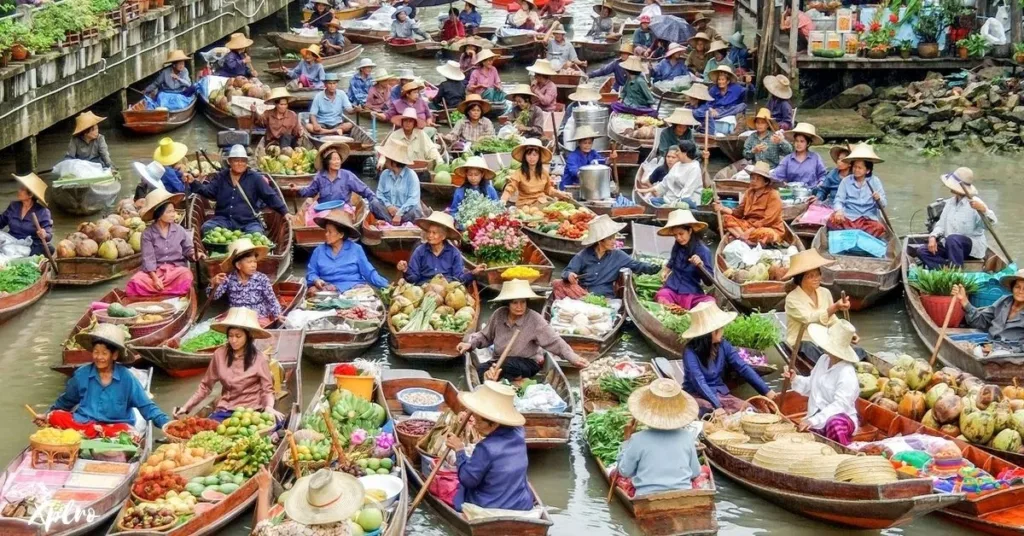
x=595, y=182
x=596, y=117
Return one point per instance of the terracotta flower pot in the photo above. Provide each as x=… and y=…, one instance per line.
x=905, y=53
x=928, y=50
x=961, y=53
x=936, y=307
x=19, y=52
x=877, y=54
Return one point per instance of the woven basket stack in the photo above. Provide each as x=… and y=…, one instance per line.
x=819, y=467
x=744, y=450
x=773, y=431
x=779, y=455
x=724, y=438
x=866, y=470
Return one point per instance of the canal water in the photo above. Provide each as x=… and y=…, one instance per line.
x=566, y=479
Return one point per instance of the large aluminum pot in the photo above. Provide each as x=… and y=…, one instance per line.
x=597, y=118
x=595, y=182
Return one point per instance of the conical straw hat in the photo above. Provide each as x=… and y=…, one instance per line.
x=85, y=121
x=862, y=151
x=176, y=56
x=807, y=130
x=585, y=94
x=238, y=41
x=516, y=289
x=762, y=113
x=484, y=55
x=242, y=318
x=474, y=162
x=238, y=248
x=154, y=199
x=439, y=217
x=396, y=150
x=723, y=69
x=600, y=228
x=471, y=99
x=805, y=261
x=836, y=339
x=632, y=64
x=778, y=86
x=340, y=218
x=169, y=152
x=586, y=132
x=34, y=185
x=680, y=218
x=451, y=71
x=342, y=148
x=662, y=405
x=279, y=93
x=528, y=143
x=699, y=92
x=542, y=67
x=836, y=149
x=718, y=45
x=108, y=333
x=493, y=401
x=324, y=497
x=705, y=318
x=682, y=116
x=960, y=181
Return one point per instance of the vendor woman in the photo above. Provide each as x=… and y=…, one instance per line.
x=436, y=255
x=100, y=397
x=495, y=475
x=340, y=263
x=860, y=198
x=86, y=141
x=826, y=192
x=708, y=358
x=29, y=203
x=583, y=155
x=242, y=371
x=525, y=358
x=474, y=125
x=595, y=269
x=765, y=144
x=531, y=183
x=681, y=129
x=802, y=165
x=832, y=388
x=758, y=218
x=166, y=250
x=331, y=183
x=1001, y=320
x=728, y=94
x=682, y=274
x=243, y=283
x=475, y=176
x=809, y=303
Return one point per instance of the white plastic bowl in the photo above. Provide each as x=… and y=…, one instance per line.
x=389, y=484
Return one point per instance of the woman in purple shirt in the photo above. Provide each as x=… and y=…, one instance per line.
x=244, y=284
x=331, y=183
x=802, y=165
x=30, y=203
x=436, y=255
x=166, y=250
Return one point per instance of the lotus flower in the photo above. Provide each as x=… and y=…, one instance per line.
x=358, y=436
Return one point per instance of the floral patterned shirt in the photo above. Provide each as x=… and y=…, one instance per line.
x=256, y=294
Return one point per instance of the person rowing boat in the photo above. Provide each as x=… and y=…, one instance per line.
x=596, y=268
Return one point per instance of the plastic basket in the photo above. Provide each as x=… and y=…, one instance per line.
x=361, y=386
x=724, y=127
x=988, y=293
x=855, y=242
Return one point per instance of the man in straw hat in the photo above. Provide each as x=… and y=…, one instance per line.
x=561, y=53
x=635, y=95
x=758, y=218
x=495, y=475
x=473, y=125
x=825, y=193
x=238, y=191
x=327, y=112
x=484, y=80
x=717, y=51
x=698, y=56
x=832, y=388
x=672, y=65
x=308, y=73
x=173, y=78
x=643, y=38
x=29, y=201
x=702, y=23
x=87, y=143
x=809, y=303
x=281, y=122
x=665, y=411
x=452, y=91
x=100, y=398
x=614, y=68
x=595, y=269
x=542, y=86
x=421, y=147
x=340, y=263
x=583, y=155
x=243, y=283
x=709, y=359
x=960, y=231
x=526, y=356
x=237, y=62
x=166, y=250
x=333, y=42
x=1001, y=320
x=322, y=503
x=404, y=76
x=766, y=143
x=861, y=196
x=398, y=190
x=782, y=111
x=531, y=123
x=681, y=124
x=405, y=29
x=438, y=254
x=728, y=99
x=378, y=99
x=802, y=165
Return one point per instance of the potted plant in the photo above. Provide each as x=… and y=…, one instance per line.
x=927, y=29
x=1018, y=52
x=935, y=287
x=21, y=38
x=973, y=46
x=905, y=46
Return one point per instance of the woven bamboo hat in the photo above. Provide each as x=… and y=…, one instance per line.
x=682, y=116
x=762, y=169
x=765, y=114
x=542, y=67
x=34, y=185
x=863, y=151
x=836, y=150
x=382, y=75
x=85, y=121
x=805, y=261
x=836, y=339
x=517, y=289
x=633, y=64
x=558, y=28
x=699, y=92
x=342, y=148
x=698, y=18
x=700, y=36
x=411, y=86
x=483, y=56
x=585, y=93
x=600, y=228
x=717, y=45
x=238, y=41
x=279, y=93
x=705, y=318
x=451, y=71
x=324, y=497
x=408, y=113
x=681, y=218
x=107, y=333
x=626, y=48
x=475, y=41
x=723, y=69
x=779, y=86
x=586, y=132
x=340, y=218
x=155, y=199
x=396, y=150
x=476, y=99
x=599, y=8
x=242, y=318
x=442, y=218
x=1008, y=280
x=662, y=405
x=474, y=162
x=532, y=143
x=808, y=131
x=238, y=248
x=312, y=49
x=522, y=90
x=960, y=181
x=673, y=49
x=169, y=152
x=176, y=56
x=493, y=401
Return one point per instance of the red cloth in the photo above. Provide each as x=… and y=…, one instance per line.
x=868, y=225
x=445, y=485
x=65, y=420
x=839, y=428
x=177, y=281
x=452, y=29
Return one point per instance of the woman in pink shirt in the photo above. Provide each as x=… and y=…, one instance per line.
x=543, y=87
x=243, y=371
x=485, y=80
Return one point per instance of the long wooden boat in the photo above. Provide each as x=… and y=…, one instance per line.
x=543, y=430
x=285, y=346
x=593, y=51
x=418, y=49
x=83, y=271
x=345, y=13
x=364, y=36
x=225, y=120
x=86, y=199
x=644, y=146
x=275, y=265
x=587, y=346
x=864, y=279
x=758, y=295
x=308, y=237
x=806, y=231
x=687, y=10
x=1001, y=369
x=432, y=346
x=524, y=53
x=143, y=335
x=484, y=32
x=358, y=140
x=325, y=346
x=104, y=504
x=393, y=244
x=279, y=68
x=284, y=181
x=670, y=513
x=176, y=363
x=533, y=257
x=292, y=42
x=143, y=121
x=12, y=304
x=676, y=97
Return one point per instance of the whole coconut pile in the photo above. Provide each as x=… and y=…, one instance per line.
x=238, y=86
x=111, y=238
x=437, y=305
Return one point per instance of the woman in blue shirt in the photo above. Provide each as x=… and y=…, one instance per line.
x=30, y=202
x=707, y=358
x=470, y=18
x=583, y=155
x=825, y=193
x=802, y=165
x=331, y=183
x=595, y=269
x=437, y=254
x=308, y=73
x=99, y=398
x=237, y=62
x=672, y=66
x=476, y=176
x=682, y=274
x=398, y=190
x=727, y=98
x=340, y=262
x=860, y=198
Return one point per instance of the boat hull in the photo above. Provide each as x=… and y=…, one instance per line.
x=865, y=280
x=85, y=200
x=157, y=121
x=13, y=304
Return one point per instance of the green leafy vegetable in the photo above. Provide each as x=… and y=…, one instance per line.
x=672, y=321
x=594, y=299
x=754, y=331
x=622, y=387
x=18, y=276
x=475, y=205
x=647, y=285
x=210, y=339
x=605, y=431
x=495, y=144
x=940, y=282
x=706, y=196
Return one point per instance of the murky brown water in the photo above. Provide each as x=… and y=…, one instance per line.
x=566, y=480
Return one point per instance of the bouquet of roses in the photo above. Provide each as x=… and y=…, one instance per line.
x=496, y=240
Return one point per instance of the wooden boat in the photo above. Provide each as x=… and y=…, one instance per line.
x=292, y=42
x=723, y=6
x=284, y=181
x=484, y=32
x=307, y=238
x=364, y=36
x=522, y=53
x=345, y=13
x=104, y=504
x=686, y=10
x=391, y=244
x=644, y=146
x=560, y=248
x=758, y=295
x=176, y=363
x=806, y=231
x=144, y=335
x=82, y=271
x=358, y=140
x=543, y=430
x=690, y=512
x=533, y=257
x=286, y=348
x=594, y=51
x=142, y=121
x=586, y=346
x=1001, y=369
x=279, y=68
x=491, y=526
x=225, y=120
x=432, y=346
x=325, y=346
x=675, y=97
x=864, y=279
x=702, y=213
x=12, y=304
x=418, y=49
x=86, y=199
x=275, y=265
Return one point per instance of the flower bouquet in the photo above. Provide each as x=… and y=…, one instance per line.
x=496, y=240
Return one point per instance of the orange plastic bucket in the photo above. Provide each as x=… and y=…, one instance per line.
x=361, y=386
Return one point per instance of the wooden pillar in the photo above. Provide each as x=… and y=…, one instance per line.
x=1015, y=22
x=794, y=29
x=26, y=157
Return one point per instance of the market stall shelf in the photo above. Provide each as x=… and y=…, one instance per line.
x=533, y=258
x=142, y=121
x=432, y=346
x=865, y=280
x=16, y=302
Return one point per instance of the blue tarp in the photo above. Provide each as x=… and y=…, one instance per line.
x=855, y=242
x=171, y=101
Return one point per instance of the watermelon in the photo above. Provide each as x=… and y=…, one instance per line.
x=211, y=495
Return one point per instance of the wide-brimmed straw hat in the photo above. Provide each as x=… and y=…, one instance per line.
x=106, y=333
x=396, y=150
x=586, y=132
x=324, y=497
x=237, y=249
x=494, y=402
x=598, y=7
x=312, y=49
x=682, y=116
x=279, y=93
x=516, y=289
x=699, y=92
x=558, y=29
x=960, y=181
x=600, y=228
x=155, y=199
x=476, y=99
x=633, y=64
x=699, y=17
x=451, y=71
x=474, y=162
x=663, y=405
x=343, y=151
x=531, y=143
x=807, y=130
x=723, y=69
x=836, y=149
x=332, y=77
x=470, y=2
x=334, y=22
x=472, y=40
x=1008, y=280
x=408, y=113
x=169, y=152
x=238, y=41
x=175, y=56
x=151, y=172
x=382, y=75
x=707, y=317
x=863, y=151
x=521, y=90
x=242, y=318
x=405, y=74
x=34, y=185
x=442, y=218
x=340, y=218
x=700, y=36
x=85, y=121
x=763, y=113
x=762, y=169
x=673, y=49
x=836, y=339
x=238, y=151
x=779, y=86
x=412, y=86
x=484, y=55
x=805, y=261
x=681, y=218
x=626, y=48
x=585, y=93
x=717, y=45
x=542, y=67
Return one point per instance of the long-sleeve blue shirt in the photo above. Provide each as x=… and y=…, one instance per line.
x=424, y=265
x=642, y=38
x=348, y=268
x=686, y=277
x=472, y=18
x=234, y=65
x=314, y=72
x=340, y=189
x=172, y=181
x=856, y=200
x=19, y=227
x=109, y=404
x=664, y=70
x=402, y=191
x=598, y=276
x=660, y=460
x=460, y=195
x=829, y=187
x=709, y=382
x=231, y=204
x=359, y=88
x=732, y=96
x=573, y=162
x=165, y=81
x=613, y=67
x=495, y=476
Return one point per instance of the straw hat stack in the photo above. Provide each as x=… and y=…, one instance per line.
x=723, y=438
x=781, y=454
x=866, y=470
x=819, y=467
x=773, y=431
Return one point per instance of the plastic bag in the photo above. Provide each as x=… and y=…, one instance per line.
x=82, y=169
x=994, y=32
x=540, y=397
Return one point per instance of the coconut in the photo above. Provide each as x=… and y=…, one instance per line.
x=951, y=430
x=1002, y=414
x=978, y=427
x=912, y=405
x=120, y=231
x=1015, y=404
x=969, y=383
x=918, y=374
x=904, y=361
x=100, y=234
x=941, y=376
x=86, y=248
x=929, y=420
x=65, y=249
x=1006, y=440
x=868, y=385
x=135, y=241
x=444, y=310
x=77, y=237
x=987, y=395
x=104, y=224
x=1017, y=421
x=936, y=392
x=115, y=219
x=889, y=404
x=398, y=304
x=466, y=312
x=86, y=227
x=108, y=250
x=948, y=408
x=864, y=367
x=894, y=389
x=439, y=286
x=412, y=293
x=123, y=249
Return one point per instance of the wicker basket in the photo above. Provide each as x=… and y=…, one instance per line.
x=712, y=423
x=200, y=468
x=772, y=431
x=805, y=437
x=744, y=450
x=755, y=424
x=780, y=454
x=819, y=467
x=866, y=470
x=723, y=438
x=46, y=456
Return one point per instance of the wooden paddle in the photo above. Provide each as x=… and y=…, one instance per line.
x=440, y=461
x=991, y=231
x=31, y=412
x=338, y=451
x=885, y=215
x=295, y=454
x=614, y=477
x=709, y=181
x=846, y=313
x=792, y=357
x=615, y=165
x=942, y=332
x=46, y=245
x=447, y=114
x=501, y=360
